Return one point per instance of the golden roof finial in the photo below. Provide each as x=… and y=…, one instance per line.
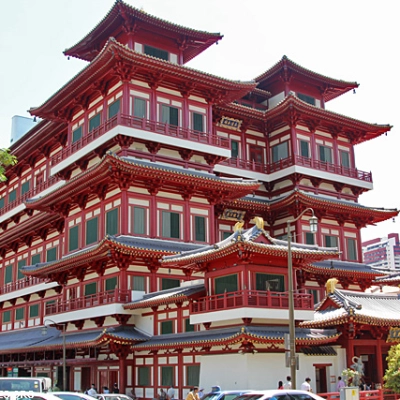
x=330, y=285
x=259, y=222
x=238, y=226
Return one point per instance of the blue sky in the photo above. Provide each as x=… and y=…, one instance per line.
x=350, y=40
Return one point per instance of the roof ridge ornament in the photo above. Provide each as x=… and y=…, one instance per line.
x=238, y=226
x=330, y=285
x=259, y=222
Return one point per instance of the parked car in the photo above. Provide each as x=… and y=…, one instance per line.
x=24, y=395
x=112, y=396
x=73, y=396
x=279, y=394
x=224, y=394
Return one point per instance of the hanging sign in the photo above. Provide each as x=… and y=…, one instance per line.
x=230, y=123
x=233, y=215
x=394, y=335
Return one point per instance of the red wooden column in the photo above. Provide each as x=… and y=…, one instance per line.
x=379, y=365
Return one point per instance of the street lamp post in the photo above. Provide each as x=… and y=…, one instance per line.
x=292, y=338
x=64, y=360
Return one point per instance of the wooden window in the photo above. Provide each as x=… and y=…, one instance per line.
x=111, y=283
x=73, y=238
x=272, y=282
x=199, y=228
x=21, y=263
x=6, y=316
x=113, y=108
x=198, y=122
x=12, y=196
x=138, y=283
x=143, y=376
x=345, y=158
x=155, y=52
x=169, y=115
x=8, y=274
x=170, y=225
x=309, y=238
x=325, y=154
x=304, y=148
x=167, y=376
x=351, y=249
x=25, y=187
x=306, y=98
x=90, y=288
x=2, y=202
x=192, y=375
x=257, y=154
x=168, y=283
x=139, y=107
x=92, y=227
x=76, y=134
x=234, y=149
x=225, y=235
x=35, y=259
x=19, y=313
x=280, y=151
x=112, y=222
x=188, y=326
x=139, y=220
x=167, y=327
x=51, y=254
x=34, y=310
x=94, y=122
x=331, y=241
x=228, y=283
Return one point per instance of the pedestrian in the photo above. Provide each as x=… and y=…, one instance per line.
x=340, y=383
x=306, y=385
x=92, y=391
x=162, y=395
x=115, y=388
x=280, y=385
x=133, y=395
x=201, y=393
x=193, y=394
x=288, y=383
x=106, y=390
x=171, y=392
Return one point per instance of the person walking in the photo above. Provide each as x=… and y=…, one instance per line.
x=280, y=385
x=92, y=391
x=171, y=392
x=306, y=385
x=288, y=383
x=115, y=388
x=340, y=384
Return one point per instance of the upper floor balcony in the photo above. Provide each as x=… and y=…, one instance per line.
x=300, y=164
x=272, y=306
x=144, y=129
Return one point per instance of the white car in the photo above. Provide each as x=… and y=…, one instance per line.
x=73, y=396
x=279, y=394
x=112, y=396
x=23, y=395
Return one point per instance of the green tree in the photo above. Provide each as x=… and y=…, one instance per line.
x=6, y=159
x=392, y=375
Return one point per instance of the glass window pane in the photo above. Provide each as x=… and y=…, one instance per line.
x=331, y=241
x=166, y=327
x=111, y=283
x=25, y=188
x=304, y=149
x=345, y=159
x=234, y=149
x=351, y=249
x=90, y=288
x=155, y=52
x=200, y=228
x=144, y=376
x=21, y=263
x=280, y=152
x=12, y=196
x=6, y=316
x=272, y=282
x=19, y=313
x=112, y=222
x=306, y=98
x=227, y=283
x=193, y=375
x=73, y=239
x=8, y=274
x=170, y=225
x=35, y=259
x=91, y=230
x=188, y=326
x=173, y=116
x=309, y=238
x=167, y=376
x=76, y=134
x=113, y=108
x=94, y=122
x=198, y=122
x=34, y=310
x=2, y=202
x=139, y=107
x=51, y=254
x=139, y=214
x=138, y=283
x=167, y=283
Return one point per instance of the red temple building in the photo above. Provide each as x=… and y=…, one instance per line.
x=146, y=223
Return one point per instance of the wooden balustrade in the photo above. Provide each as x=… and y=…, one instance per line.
x=21, y=284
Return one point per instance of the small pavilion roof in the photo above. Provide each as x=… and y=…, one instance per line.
x=168, y=296
x=342, y=306
x=391, y=279
x=234, y=335
x=32, y=339
x=122, y=15
x=255, y=240
x=286, y=68
x=114, y=55
x=148, y=173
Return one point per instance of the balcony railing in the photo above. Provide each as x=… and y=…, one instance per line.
x=145, y=125
x=299, y=161
x=251, y=298
x=94, y=300
x=21, y=284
